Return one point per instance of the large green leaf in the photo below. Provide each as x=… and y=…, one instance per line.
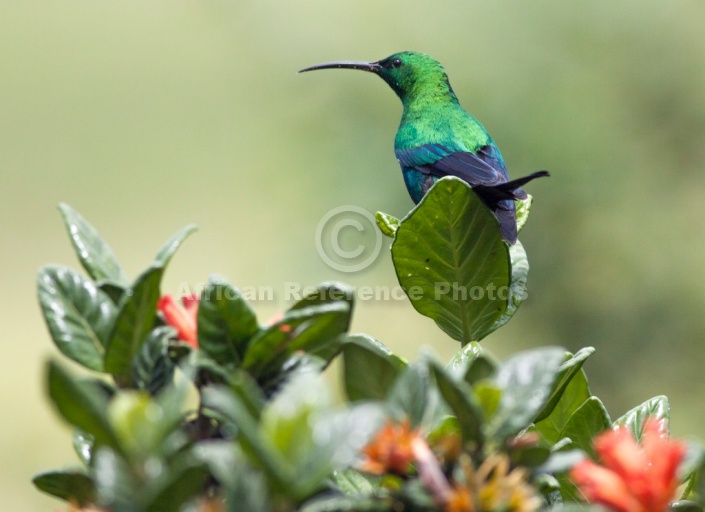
x=74, y=486
x=135, y=319
x=226, y=323
x=95, y=255
x=526, y=380
x=79, y=316
x=369, y=368
x=635, y=419
x=82, y=403
x=516, y=293
x=451, y=260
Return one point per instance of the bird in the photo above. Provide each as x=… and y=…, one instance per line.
x=437, y=137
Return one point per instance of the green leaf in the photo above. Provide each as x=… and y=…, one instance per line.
x=573, y=396
x=526, y=380
x=79, y=316
x=483, y=367
x=452, y=262
x=587, y=421
x=460, y=398
x=171, y=246
x=181, y=483
x=118, y=488
x=515, y=294
x=685, y=506
x=152, y=369
x=82, y=403
x=353, y=483
x=68, y=485
x=635, y=419
x=387, y=224
x=463, y=358
x=411, y=394
x=247, y=490
x=135, y=319
x=226, y=323
x=568, y=370
x=314, y=329
x=95, y=255
x=369, y=368
x=523, y=208
x=83, y=445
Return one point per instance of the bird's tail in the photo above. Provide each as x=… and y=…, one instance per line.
x=508, y=190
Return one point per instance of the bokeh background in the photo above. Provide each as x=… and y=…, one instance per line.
x=146, y=116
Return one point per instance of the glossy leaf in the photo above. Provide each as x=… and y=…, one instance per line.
x=94, y=254
x=79, y=316
x=526, y=380
x=74, y=486
x=171, y=246
x=313, y=329
x=387, y=224
x=82, y=403
x=657, y=408
x=369, y=368
x=412, y=394
x=451, y=260
x=83, y=445
x=568, y=370
x=461, y=400
x=461, y=360
x=117, y=486
x=134, y=322
x=152, y=369
x=587, y=421
x=573, y=396
x=226, y=323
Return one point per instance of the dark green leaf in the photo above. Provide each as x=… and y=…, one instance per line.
x=685, y=506
x=135, y=319
x=79, y=316
x=484, y=367
x=226, y=323
x=574, y=395
x=526, y=380
x=152, y=369
x=587, y=421
x=247, y=490
x=112, y=290
x=353, y=483
x=314, y=329
x=171, y=246
x=657, y=408
x=83, y=404
x=117, y=487
x=411, y=394
x=95, y=255
x=460, y=398
x=387, y=224
x=326, y=293
x=369, y=368
x=181, y=483
x=68, y=485
x=451, y=260
x=566, y=373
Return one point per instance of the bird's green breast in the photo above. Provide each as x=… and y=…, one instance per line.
x=445, y=124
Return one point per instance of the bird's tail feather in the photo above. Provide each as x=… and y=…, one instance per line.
x=508, y=190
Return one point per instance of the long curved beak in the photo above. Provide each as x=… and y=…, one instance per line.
x=372, y=67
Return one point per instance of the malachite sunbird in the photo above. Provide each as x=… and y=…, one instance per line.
x=437, y=137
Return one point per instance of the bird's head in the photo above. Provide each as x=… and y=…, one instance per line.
x=409, y=74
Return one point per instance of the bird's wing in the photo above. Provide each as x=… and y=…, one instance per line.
x=484, y=167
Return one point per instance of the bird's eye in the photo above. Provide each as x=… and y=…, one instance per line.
x=397, y=63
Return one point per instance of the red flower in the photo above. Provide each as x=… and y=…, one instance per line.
x=632, y=478
x=181, y=318
x=391, y=450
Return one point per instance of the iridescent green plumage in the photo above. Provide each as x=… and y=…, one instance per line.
x=437, y=137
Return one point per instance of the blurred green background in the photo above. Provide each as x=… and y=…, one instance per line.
x=146, y=116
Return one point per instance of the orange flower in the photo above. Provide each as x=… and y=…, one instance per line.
x=181, y=318
x=632, y=478
x=391, y=450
